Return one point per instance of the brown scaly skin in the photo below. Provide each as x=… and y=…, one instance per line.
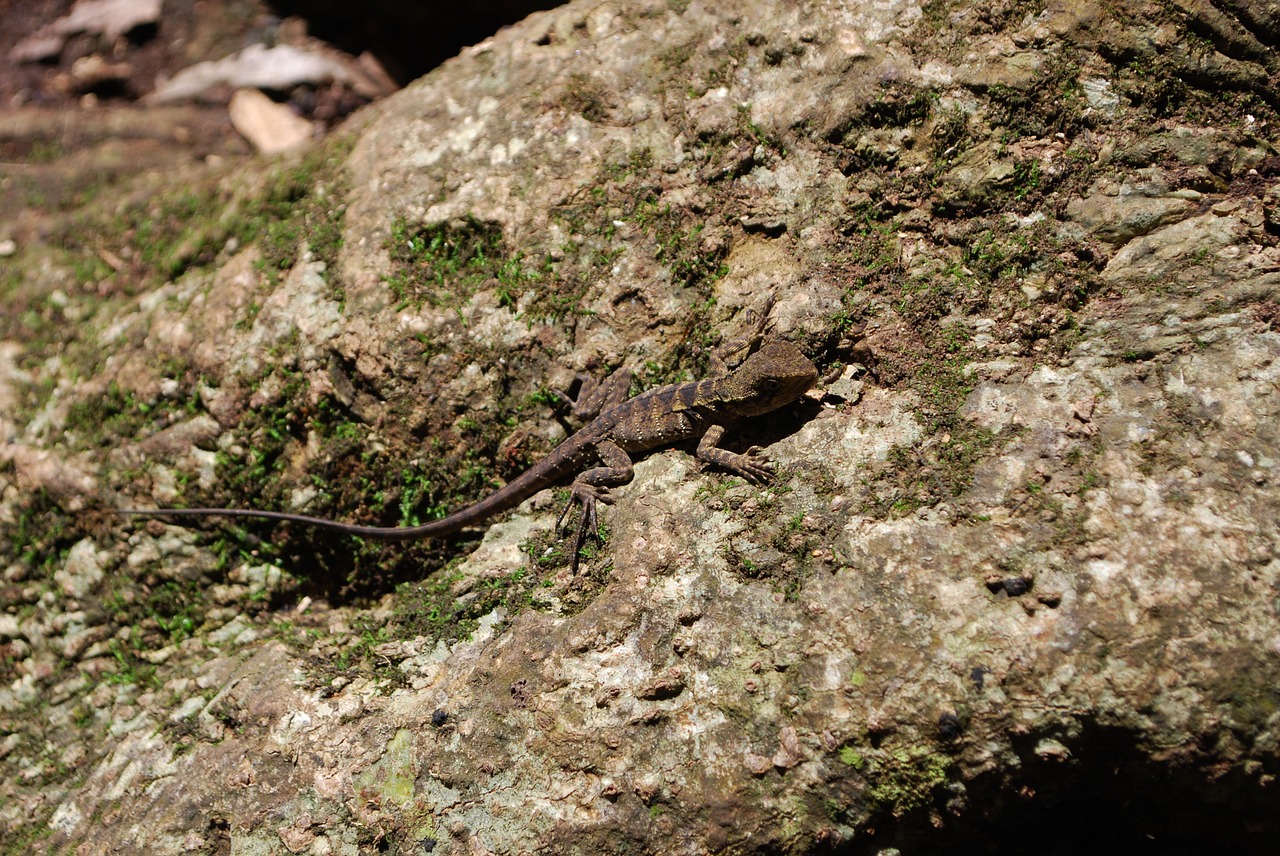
x=767, y=376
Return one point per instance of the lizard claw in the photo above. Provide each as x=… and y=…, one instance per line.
x=755, y=467
x=587, y=496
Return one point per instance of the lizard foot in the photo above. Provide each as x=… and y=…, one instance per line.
x=587, y=496
x=754, y=466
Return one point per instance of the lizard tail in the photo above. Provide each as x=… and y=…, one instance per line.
x=373, y=533
x=543, y=475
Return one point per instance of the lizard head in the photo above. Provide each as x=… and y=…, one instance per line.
x=773, y=376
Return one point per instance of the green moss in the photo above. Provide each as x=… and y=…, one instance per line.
x=680, y=245
x=131, y=669
x=1253, y=701
x=40, y=536
x=159, y=236
x=392, y=777
x=38, y=323
x=34, y=829
x=159, y=613
x=921, y=344
x=622, y=196
x=587, y=97
x=1054, y=103
x=942, y=467
x=549, y=550
x=446, y=263
x=1026, y=178
x=902, y=780
x=918, y=477
x=415, y=486
x=623, y=212
x=302, y=204
x=780, y=547
x=749, y=130
x=360, y=653
x=670, y=61
x=401, y=480
x=264, y=434
x=852, y=757
x=100, y=421
x=448, y=606
x=899, y=106
x=177, y=608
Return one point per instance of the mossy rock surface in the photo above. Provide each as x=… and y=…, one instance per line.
x=1019, y=563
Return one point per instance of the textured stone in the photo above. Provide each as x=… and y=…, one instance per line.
x=934, y=626
x=81, y=572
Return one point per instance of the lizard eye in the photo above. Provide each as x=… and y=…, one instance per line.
x=771, y=384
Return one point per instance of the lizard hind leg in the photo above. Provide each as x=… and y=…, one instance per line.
x=591, y=488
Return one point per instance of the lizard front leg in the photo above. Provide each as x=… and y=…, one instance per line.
x=752, y=465
x=596, y=396
x=592, y=487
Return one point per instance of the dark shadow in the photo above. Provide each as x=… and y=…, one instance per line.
x=1109, y=796
x=408, y=38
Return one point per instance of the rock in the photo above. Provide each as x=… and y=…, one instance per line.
x=82, y=570
x=1271, y=207
x=1119, y=219
x=271, y=127
x=79, y=641
x=1019, y=70
x=93, y=70
x=714, y=113
x=978, y=173
x=110, y=18
x=1166, y=251
x=1030, y=538
x=200, y=432
x=1099, y=94
x=279, y=67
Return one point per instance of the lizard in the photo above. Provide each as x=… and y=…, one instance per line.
x=749, y=376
